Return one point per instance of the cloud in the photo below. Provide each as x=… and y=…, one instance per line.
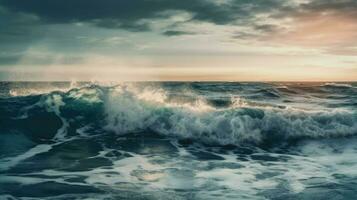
x=27, y=22
x=137, y=15
x=177, y=33
x=266, y=28
x=17, y=32
x=341, y=6
x=134, y=14
x=329, y=25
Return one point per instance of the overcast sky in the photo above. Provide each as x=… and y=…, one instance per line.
x=235, y=40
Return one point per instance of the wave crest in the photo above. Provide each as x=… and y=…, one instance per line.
x=127, y=108
x=127, y=112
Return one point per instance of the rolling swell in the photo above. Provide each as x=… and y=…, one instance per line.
x=128, y=108
x=232, y=125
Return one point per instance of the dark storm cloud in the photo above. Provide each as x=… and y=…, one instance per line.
x=22, y=22
x=341, y=6
x=243, y=35
x=266, y=27
x=176, y=33
x=17, y=32
x=128, y=14
x=16, y=26
x=135, y=15
x=321, y=7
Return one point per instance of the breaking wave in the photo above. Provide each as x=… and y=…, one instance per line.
x=132, y=108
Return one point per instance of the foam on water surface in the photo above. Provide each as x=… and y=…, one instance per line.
x=179, y=141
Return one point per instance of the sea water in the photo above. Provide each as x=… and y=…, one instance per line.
x=178, y=140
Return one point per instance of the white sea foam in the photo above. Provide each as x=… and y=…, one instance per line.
x=53, y=104
x=7, y=163
x=43, y=89
x=345, y=85
x=242, y=122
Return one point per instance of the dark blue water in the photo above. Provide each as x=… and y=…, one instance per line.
x=178, y=140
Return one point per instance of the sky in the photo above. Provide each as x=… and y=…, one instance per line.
x=171, y=40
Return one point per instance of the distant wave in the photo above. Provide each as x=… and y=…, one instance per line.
x=338, y=85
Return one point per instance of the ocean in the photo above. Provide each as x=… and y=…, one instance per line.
x=178, y=140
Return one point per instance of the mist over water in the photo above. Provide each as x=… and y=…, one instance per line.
x=178, y=140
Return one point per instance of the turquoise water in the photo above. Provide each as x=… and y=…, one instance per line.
x=178, y=140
